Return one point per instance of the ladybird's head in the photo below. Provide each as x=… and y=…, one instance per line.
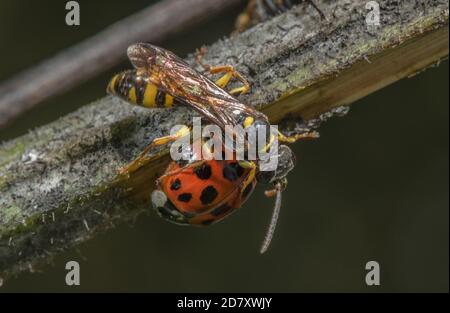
x=166, y=209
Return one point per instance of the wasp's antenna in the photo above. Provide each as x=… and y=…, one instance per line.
x=273, y=222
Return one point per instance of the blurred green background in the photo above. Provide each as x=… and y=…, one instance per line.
x=373, y=187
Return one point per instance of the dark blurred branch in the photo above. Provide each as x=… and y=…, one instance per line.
x=101, y=52
x=58, y=183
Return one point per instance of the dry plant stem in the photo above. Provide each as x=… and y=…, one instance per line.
x=101, y=52
x=58, y=183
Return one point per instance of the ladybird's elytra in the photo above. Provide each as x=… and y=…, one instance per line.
x=203, y=194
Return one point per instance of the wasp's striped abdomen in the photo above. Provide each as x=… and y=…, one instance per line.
x=137, y=89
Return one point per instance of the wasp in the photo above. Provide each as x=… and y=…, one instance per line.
x=258, y=11
x=162, y=79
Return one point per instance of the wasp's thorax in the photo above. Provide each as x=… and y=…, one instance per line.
x=258, y=131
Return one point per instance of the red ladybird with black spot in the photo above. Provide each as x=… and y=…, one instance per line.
x=202, y=192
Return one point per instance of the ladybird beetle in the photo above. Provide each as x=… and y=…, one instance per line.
x=204, y=192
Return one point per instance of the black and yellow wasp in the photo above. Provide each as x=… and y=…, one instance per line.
x=161, y=79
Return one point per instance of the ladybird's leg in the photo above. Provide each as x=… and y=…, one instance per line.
x=229, y=71
x=142, y=158
x=294, y=138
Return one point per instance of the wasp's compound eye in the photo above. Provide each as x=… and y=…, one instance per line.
x=286, y=161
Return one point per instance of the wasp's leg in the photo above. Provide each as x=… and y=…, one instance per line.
x=247, y=164
x=294, y=138
x=142, y=158
x=229, y=71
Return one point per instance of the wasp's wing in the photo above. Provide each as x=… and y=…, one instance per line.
x=143, y=55
x=174, y=76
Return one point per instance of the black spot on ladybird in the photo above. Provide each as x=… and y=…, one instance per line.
x=176, y=184
x=232, y=171
x=203, y=171
x=229, y=173
x=208, y=195
x=185, y=197
x=239, y=169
